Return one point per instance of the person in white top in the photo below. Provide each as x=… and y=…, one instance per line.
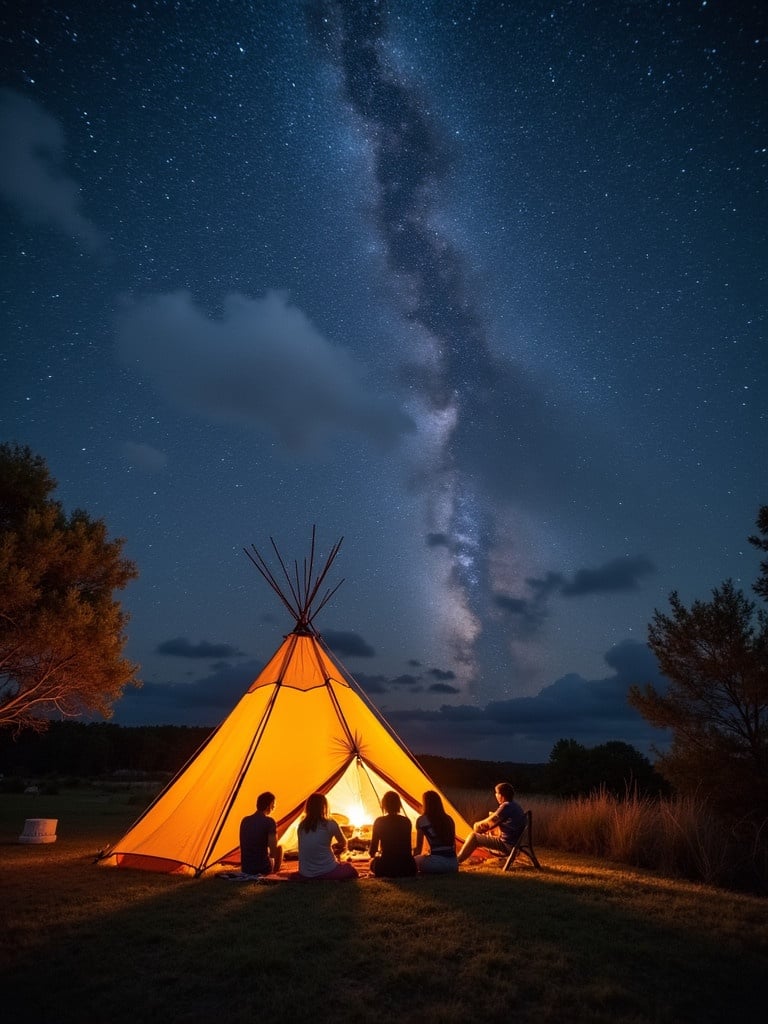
x=317, y=858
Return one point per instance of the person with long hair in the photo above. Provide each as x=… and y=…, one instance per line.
x=321, y=841
x=390, y=847
x=439, y=830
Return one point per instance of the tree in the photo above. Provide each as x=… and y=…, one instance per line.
x=619, y=768
x=761, y=585
x=61, y=631
x=715, y=656
x=566, y=769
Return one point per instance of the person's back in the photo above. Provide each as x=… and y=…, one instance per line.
x=259, y=852
x=439, y=830
x=391, y=834
x=255, y=830
x=316, y=833
x=315, y=854
x=442, y=842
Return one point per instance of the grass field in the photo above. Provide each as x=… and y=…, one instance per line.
x=582, y=940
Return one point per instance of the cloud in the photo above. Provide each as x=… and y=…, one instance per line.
x=262, y=363
x=413, y=682
x=348, y=645
x=205, y=701
x=618, y=574
x=31, y=148
x=573, y=698
x=592, y=711
x=441, y=674
x=406, y=679
x=443, y=688
x=145, y=457
x=180, y=647
x=529, y=612
x=373, y=685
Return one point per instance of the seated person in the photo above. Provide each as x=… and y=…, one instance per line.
x=259, y=852
x=510, y=819
x=439, y=829
x=390, y=847
x=317, y=859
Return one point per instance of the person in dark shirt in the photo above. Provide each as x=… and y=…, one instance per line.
x=390, y=847
x=509, y=818
x=259, y=851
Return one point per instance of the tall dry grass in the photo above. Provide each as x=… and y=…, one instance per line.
x=681, y=837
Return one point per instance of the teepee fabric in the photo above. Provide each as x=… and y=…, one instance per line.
x=303, y=726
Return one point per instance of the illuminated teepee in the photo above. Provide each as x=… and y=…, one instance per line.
x=303, y=726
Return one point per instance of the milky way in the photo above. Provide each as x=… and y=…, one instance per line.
x=480, y=286
x=485, y=398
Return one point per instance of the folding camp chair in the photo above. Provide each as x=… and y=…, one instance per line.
x=524, y=845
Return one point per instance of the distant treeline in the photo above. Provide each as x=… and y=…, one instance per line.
x=100, y=748
x=79, y=750
x=461, y=772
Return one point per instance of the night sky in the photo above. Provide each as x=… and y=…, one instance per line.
x=478, y=286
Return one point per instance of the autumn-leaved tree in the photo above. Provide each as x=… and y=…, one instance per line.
x=715, y=656
x=61, y=631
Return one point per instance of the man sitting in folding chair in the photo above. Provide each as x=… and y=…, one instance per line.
x=510, y=819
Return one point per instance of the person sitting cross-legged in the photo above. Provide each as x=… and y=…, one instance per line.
x=321, y=841
x=510, y=819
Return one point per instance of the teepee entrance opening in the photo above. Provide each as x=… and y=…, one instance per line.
x=355, y=802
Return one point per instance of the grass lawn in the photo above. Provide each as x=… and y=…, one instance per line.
x=580, y=941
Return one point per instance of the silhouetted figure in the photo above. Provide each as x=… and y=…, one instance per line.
x=259, y=852
x=390, y=847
